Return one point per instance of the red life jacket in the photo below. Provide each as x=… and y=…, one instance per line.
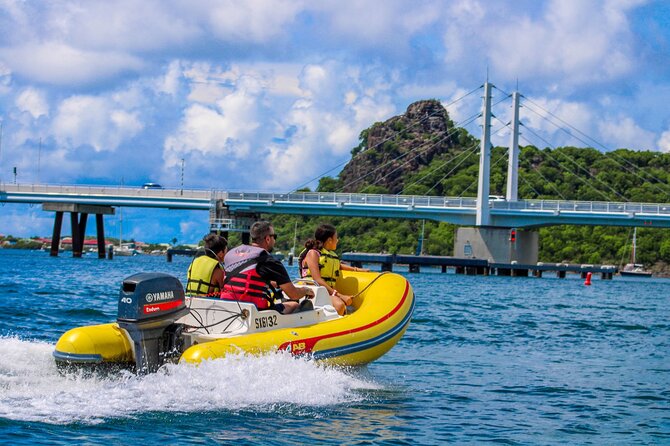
x=245, y=284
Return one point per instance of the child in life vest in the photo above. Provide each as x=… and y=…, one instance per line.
x=319, y=262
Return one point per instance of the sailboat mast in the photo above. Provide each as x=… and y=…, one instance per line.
x=634, y=245
x=120, y=227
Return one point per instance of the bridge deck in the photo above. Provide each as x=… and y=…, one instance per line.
x=456, y=210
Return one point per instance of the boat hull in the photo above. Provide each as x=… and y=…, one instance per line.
x=634, y=274
x=383, y=308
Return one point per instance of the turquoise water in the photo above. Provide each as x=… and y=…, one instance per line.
x=485, y=359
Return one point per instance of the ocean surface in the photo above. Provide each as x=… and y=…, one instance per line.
x=485, y=360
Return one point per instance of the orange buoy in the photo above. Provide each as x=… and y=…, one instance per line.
x=588, y=279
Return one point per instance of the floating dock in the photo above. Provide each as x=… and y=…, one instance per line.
x=471, y=266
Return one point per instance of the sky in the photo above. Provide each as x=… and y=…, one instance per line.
x=264, y=95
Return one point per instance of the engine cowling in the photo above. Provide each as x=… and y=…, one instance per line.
x=149, y=306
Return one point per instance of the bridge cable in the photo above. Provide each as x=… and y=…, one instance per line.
x=417, y=152
x=494, y=164
x=475, y=182
x=425, y=146
x=535, y=171
x=580, y=167
x=388, y=139
x=468, y=155
x=472, y=147
x=535, y=190
x=467, y=121
x=613, y=156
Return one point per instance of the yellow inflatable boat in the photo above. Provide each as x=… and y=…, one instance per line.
x=158, y=324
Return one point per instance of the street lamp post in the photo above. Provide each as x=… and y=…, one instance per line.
x=182, y=176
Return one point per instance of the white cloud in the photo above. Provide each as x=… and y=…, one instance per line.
x=368, y=25
x=255, y=21
x=623, y=132
x=327, y=121
x=545, y=115
x=5, y=79
x=663, y=142
x=571, y=40
x=169, y=82
x=22, y=221
x=60, y=64
x=94, y=121
x=122, y=25
x=33, y=102
x=227, y=128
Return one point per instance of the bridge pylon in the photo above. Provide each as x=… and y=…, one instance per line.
x=78, y=218
x=484, y=183
x=513, y=163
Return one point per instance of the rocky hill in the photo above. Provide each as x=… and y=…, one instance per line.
x=402, y=144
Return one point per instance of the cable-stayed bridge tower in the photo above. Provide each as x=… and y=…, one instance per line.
x=484, y=241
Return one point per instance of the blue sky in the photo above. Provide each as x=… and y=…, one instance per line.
x=264, y=95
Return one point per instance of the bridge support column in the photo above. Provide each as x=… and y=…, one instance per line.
x=78, y=218
x=497, y=245
x=77, y=241
x=55, y=238
x=560, y=274
x=100, y=226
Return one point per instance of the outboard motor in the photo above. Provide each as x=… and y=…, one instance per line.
x=149, y=305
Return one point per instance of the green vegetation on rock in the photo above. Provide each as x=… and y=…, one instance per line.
x=421, y=152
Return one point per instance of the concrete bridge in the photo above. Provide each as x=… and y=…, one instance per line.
x=460, y=211
x=489, y=226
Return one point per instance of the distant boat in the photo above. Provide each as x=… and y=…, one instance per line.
x=125, y=250
x=633, y=269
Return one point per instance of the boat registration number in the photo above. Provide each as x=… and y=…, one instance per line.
x=265, y=321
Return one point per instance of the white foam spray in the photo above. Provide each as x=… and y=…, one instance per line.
x=32, y=389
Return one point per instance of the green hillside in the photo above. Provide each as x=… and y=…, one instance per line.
x=401, y=156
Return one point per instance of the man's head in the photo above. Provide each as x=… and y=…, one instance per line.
x=263, y=234
x=215, y=245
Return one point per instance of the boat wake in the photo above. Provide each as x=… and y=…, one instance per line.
x=32, y=389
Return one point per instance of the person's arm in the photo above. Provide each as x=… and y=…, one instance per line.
x=272, y=270
x=345, y=267
x=217, y=278
x=295, y=293
x=312, y=260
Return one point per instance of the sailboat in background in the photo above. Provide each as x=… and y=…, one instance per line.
x=633, y=269
x=124, y=249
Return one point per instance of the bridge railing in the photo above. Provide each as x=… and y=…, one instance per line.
x=454, y=202
x=586, y=206
x=340, y=198
x=124, y=191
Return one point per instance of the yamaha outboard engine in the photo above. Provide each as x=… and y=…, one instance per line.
x=149, y=305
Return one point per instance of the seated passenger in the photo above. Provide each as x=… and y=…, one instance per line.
x=320, y=262
x=206, y=275
x=252, y=272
